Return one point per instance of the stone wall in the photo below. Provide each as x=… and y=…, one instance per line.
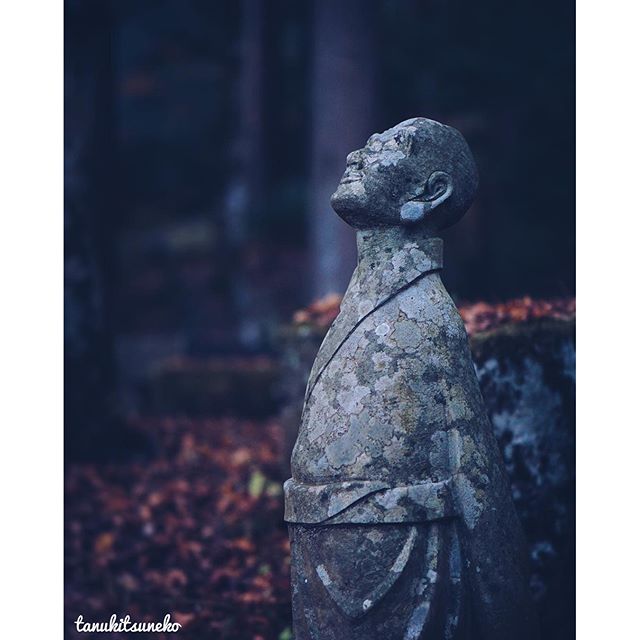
x=527, y=377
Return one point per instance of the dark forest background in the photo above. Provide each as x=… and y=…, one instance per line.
x=202, y=142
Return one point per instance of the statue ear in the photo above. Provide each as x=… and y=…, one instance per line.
x=437, y=190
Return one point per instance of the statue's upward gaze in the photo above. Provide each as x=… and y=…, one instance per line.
x=400, y=514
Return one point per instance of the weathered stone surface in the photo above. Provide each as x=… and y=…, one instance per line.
x=527, y=377
x=526, y=369
x=411, y=531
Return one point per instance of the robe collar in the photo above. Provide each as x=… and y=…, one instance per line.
x=389, y=261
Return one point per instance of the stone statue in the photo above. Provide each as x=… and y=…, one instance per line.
x=400, y=514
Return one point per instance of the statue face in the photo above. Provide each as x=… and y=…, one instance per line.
x=381, y=177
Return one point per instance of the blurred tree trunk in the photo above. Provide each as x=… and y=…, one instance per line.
x=89, y=385
x=341, y=121
x=245, y=196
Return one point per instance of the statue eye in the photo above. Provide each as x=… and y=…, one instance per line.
x=403, y=141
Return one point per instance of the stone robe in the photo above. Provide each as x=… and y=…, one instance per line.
x=401, y=520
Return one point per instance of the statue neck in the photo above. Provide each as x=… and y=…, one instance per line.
x=376, y=247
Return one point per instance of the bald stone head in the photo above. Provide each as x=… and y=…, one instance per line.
x=418, y=173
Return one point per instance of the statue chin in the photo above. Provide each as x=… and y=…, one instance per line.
x=349, y=203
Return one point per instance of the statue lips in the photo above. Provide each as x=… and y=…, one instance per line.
x=353, y=171
x=350, y=176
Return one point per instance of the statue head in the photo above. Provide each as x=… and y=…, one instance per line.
x=419, y=172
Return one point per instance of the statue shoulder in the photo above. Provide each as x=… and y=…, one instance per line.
x=430, y=301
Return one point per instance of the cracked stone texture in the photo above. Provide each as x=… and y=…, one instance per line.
x=401, y=518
